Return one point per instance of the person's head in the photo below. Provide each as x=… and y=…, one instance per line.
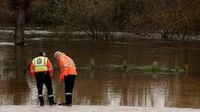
x=57, y=54
x=42, y=53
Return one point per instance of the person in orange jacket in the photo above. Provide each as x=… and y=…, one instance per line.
x=68, y=73
x=42, y=70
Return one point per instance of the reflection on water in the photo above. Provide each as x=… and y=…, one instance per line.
x=14, y=88
x=103, y=86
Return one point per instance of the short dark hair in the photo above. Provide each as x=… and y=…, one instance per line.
x=42, y=53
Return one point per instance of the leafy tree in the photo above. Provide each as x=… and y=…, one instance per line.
x=43, y=13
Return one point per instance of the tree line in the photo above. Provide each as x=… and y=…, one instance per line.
x=167, y=19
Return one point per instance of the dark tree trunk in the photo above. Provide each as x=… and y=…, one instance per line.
x=20, y=24
x=19, y=7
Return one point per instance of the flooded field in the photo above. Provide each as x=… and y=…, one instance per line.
x=103, y=86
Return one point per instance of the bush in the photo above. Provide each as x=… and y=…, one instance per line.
x=43, y=14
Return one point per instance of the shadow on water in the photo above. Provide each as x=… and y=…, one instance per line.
x=103, y=86
x=21, y=90
x=14, y=87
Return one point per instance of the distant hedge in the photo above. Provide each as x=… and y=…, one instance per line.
x=168, y=19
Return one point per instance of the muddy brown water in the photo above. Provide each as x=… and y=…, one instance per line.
x=103, y=86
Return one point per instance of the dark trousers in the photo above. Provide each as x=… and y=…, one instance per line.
x=44, y=78
x=69, y=85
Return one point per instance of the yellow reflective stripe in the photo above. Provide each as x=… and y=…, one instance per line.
x=40, y=69
x=45, y=61
x=40, y=64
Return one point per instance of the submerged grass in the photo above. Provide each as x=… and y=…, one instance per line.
x=137, y=69
x=149, y=69
x=158, y=69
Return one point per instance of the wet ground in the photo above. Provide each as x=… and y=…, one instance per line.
x=102, y=86
x=81, y=108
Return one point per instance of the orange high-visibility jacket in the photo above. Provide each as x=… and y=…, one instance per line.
x=47, y=64
x=67, y=66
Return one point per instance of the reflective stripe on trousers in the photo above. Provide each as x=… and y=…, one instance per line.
x=50, y=95
x=68, y=93
x=40, y=95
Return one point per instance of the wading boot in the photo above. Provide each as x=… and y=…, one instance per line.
x=51, y=101
x=68, y=100
x=41, y=99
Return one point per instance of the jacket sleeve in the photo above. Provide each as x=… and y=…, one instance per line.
x=62, y=70
x=32, y=70
x=61, y=77
x=50, y=67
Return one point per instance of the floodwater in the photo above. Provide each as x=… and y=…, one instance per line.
x=103, y=86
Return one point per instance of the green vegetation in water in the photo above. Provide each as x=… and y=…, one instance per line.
x=177, y=70
x=153, y=69
x=139, y=69
x=148, y=69
x=158, y=69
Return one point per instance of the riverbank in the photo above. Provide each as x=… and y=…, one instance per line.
x=82, y=108
x=81, y=34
